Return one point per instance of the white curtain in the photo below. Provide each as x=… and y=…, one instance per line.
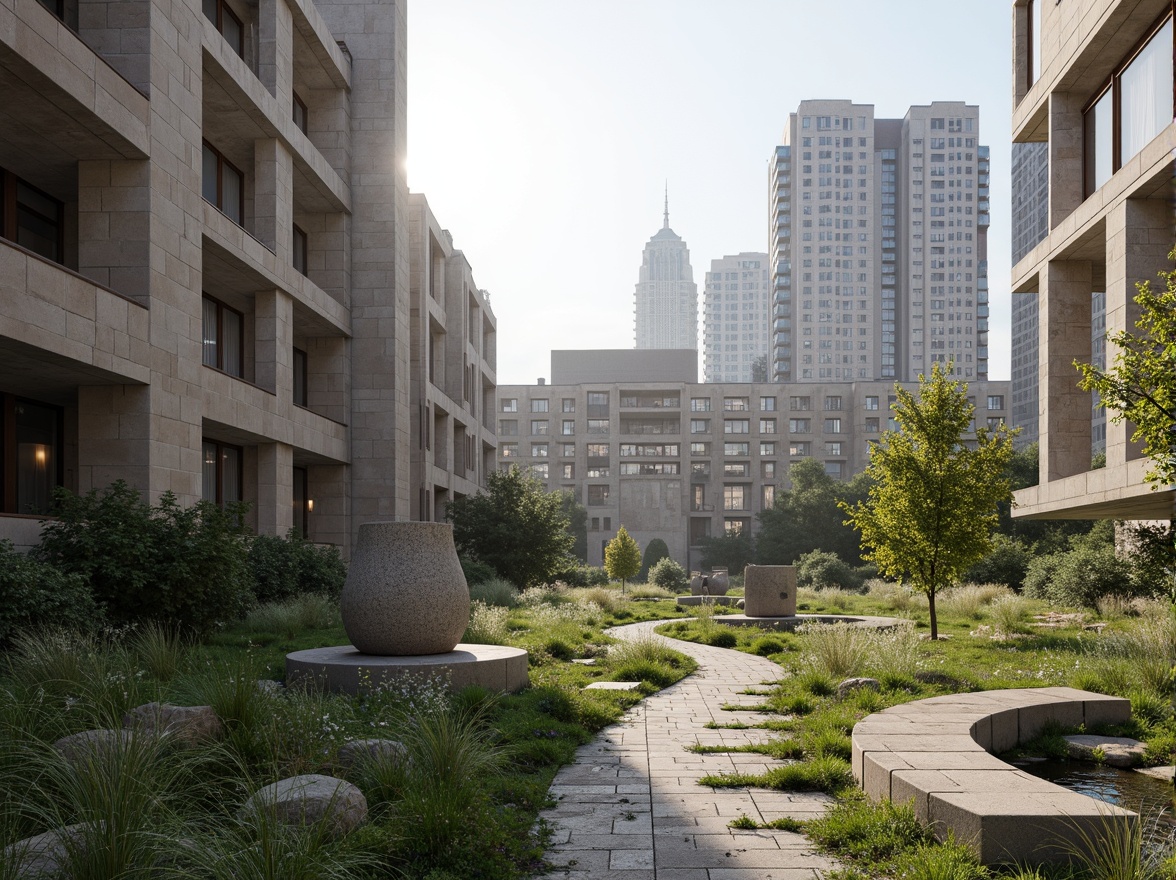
x=1147, y=93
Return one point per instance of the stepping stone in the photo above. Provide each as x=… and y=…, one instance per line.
x=310, y=799
x=45, y=855
x=1118, y=751
x=187, y=725
x=613, y=686
x=357, y=751
x=1165, y=774
x=588, y=661
x=91, y=745
x=852, y=684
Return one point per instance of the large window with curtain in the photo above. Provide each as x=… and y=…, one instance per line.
x=222, y=337
x=1131, y=109
x=221, y=473
x=30, y=455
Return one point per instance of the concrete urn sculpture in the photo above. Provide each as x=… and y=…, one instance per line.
x=405, y=593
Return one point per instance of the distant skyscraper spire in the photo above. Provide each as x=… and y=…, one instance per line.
x=666, y=296
x=666, y=220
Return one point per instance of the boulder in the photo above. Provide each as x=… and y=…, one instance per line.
x=310, y=799
x=269, y=686
x=357, y=751
x=853, y=684
x=89, y=745
x=187, y=725
x=1117, y=751
x=43, y=855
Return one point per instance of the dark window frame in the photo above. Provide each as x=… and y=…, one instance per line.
x=297, y=109
x=300, y=498
x=222, y=9
x=221, y=162
x=221, y=308
x=8, y=449
x=300, y=360
x=11, y=206
x=220, y=447
x=301, y=265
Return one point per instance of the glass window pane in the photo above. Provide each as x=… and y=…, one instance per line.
x=208, y=473
x=231, y=188
x=231, y=28
x=231, y=343
x=230, y=474
x=36, y=457
x=37, y=234
x=1147, y=93
x=209, y=7
x=209, y=332
x=208, y=175
x=299, y=377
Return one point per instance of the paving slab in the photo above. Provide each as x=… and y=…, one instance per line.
x=630, y=807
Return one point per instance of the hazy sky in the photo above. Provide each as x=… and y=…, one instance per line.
x=543, y=131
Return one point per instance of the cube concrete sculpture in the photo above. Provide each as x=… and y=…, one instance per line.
x=769, y=591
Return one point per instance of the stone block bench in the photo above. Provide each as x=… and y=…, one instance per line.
x=940, y=753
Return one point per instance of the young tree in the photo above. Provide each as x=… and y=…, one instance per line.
x=622, y=557
x=933, y=501
x=515, y=527
x=806, y=518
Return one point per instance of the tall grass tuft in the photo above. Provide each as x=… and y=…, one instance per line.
x=498, y=592
x=1114, y=850
x=650, y=591
x=969, y=600
x=488, y=624
x=896, y=597
x=1148, y=647
x=833, y=597
x=608, y=601
x=645, y=658
x=535, y=597
x=944, y=861
x=893, y=654
x=160, y=649
x=290, y=617
x=837, y=650
x=1009, y=614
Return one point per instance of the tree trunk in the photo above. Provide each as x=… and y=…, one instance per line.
x=931, y=608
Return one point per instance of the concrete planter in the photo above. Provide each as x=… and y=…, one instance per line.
x=405, y=593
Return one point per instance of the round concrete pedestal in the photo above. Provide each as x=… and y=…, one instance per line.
x=343, y=669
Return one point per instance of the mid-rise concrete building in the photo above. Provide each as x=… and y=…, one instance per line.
x=666, y=296
x=206, y=283
x=1093, y=81
x=737, y=307
x=878, y=232
x=682, y=461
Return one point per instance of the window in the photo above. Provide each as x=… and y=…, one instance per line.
x=736, y=450
x=598, y=404
x=299, y=113
x=597, y=450
x=221, y=474
x=538, y=426
x=222, y=337
x=567, y=450
x=700, y=404
x=799, y=448
x=700, y=468
x=222, y=184
x=834, y=469
x=300, y=377
x=510, y=404
x=871, y=426
x=597, y=496
x=833, y=448
x=569, y=404
x=734, y=527
x=1134, y=107
x=799, y=404
x=657, y=450
x=301, y=502
x=31, y=218
x=735, y=469
x=737, y=426
x=539, y=406
x=700, y=426
x=799, y=426
x=300, y=251
x=995, y=422
x=568, y=470
x=508, y=428
x=218, y=12
x=767, y=426
x=31, y=466
x=872, y=403
x=768, y=448
x=538, y=450
x=735, y=498
x=996, y=401
x=832, y=426
x=508, y=450
x=735, y=404
x=769, y=498
x=540, y=470
x=768, y=470
x=598, y=426
x=833, y=404
x=700, y=448
x=767, y=404
x=567, y=426
x=648, y=469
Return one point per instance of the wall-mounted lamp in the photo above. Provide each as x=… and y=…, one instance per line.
x=41, y=454
x=310, y=505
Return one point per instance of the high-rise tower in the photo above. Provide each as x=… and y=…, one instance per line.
x=666, y=296
x=737, y=300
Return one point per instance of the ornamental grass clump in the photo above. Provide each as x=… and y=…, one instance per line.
x=489, y=625
x=836, y=650
x=293, y=616
x=1009, y=614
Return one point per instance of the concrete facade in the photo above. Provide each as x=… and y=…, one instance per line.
x=737, y=309
x=681, y=461
x=878, y=232
x=666, y=299
x=206, y=286
x=1093, y=80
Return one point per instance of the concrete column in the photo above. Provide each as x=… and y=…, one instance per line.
x=114, y=225
x=1066, y=177
x=275, y=488
x=275, y=62
x=1139, y=238
x=274, y=343
x=273, y=197
x=1064, y=336
x=114, y=439
x=119, y=31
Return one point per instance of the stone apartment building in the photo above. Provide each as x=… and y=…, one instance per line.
x=207, y=276
x=680, y=460
x=1093, y=80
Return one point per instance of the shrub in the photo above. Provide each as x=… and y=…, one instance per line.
x=34, y=594
x=766, y=646
x=495, y=591
x=475, y=572
x=1006, y=563
x=668, y=575
x=286, y=567
x=655, y=551
x=723, y=638
x=1079, y=577
x=820, y=568
x=188, y=566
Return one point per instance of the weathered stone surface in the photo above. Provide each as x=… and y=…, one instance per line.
x=1166, y=774
x=850, y=685
x=43, y=855
x=187, y=725
x=310, y=799
x=357, y=751
x=269, y=686
x=405, y=593
x=78, y=748
x=769, y=591
x=1118, y=751
x=613, y=686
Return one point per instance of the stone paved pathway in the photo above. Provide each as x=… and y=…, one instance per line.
x=630, y=807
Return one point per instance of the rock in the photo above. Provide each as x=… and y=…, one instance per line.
x=585, y=661
x=853, y=684
x=1117, y=751
x=187, y=725
x=357, y=751
x=1164, y=774
x=42, y=855
x=310, y=799
x=739, y=604
x=269, y=686
x=79, y=748
x=613, y=686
